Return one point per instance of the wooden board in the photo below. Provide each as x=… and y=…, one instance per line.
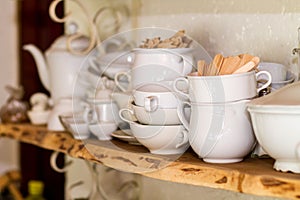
x=252, y=176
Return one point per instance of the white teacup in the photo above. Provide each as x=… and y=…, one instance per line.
x=101, y=111
x=145, y=74
x=103, y=130
x=156, y=65
x=179, y=59
x=220, y=132
x=161, y=139
x=290, y=78
x=161, y=116
x=278, y=71
x=154, y=96
x=224, y=88
x=123, y=99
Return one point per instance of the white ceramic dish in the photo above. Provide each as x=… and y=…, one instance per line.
x=220, y=132
x=224, y=88
x=38, y=117
x=76, y=126
x=162, y=140
x=102, y=111
x=179, y=59
x=123, y=99
x=161, y=116
x=143, y=75
x=278, y=71
x=125, y=137
x=112, y=63
x=103, y=130
x=275, y=118
x=290, y=77
x=154, y=96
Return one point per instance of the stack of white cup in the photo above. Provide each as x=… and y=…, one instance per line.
x=155, y=105
x=158, y=126
x=219, y=128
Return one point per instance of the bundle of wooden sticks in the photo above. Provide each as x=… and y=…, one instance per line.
x=228, y=65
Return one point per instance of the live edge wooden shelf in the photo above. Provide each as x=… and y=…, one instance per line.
x=252, y=176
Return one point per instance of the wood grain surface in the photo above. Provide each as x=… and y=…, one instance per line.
x=253, y=175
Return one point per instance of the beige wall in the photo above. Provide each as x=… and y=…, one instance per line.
x=8, y=75
x=266, y=28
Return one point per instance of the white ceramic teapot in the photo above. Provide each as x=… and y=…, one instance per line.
x=59, y=67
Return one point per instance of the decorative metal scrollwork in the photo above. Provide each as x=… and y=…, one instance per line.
x=92, y=20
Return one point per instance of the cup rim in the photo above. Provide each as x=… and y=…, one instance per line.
x=241, y=101
x=192, y=76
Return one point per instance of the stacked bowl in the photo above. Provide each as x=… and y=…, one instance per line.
x=219, y=128
x=157, y=127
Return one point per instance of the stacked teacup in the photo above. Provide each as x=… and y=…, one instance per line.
x=154, y=105
x=158, y=126
x=219, y=128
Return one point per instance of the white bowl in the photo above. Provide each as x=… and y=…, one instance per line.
x=290, y=77
x=103, y=130
x=275, y=118
x=278, y=71
x=75, y=125
x=162, y=140
x=38, y=117
x=161, y=116
x=79, y=131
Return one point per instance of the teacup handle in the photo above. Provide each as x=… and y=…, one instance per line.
x=187, y=65
x=185, y=139
x=117, y=77
x=126, y=110
x=151, y=103
x=89, y=115
x=181, y=115
x=179, y=91
x=267, y=84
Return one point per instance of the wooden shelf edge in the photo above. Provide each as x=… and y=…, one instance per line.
x=252, y=176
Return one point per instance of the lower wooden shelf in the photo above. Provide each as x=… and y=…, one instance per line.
x=251, y=176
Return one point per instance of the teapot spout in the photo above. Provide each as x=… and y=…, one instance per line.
x=40, y=63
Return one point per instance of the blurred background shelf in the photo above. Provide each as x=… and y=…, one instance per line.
x=252, y=176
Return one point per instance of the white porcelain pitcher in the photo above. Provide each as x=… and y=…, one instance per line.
x=58, y=67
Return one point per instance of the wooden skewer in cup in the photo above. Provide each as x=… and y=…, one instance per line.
x=248, y=66
x=201, y=65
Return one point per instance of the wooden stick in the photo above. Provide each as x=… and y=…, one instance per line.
x=201, y=65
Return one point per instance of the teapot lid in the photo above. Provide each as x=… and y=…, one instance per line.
x=79, y=43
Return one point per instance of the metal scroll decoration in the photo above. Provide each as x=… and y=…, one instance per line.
x=94, y=35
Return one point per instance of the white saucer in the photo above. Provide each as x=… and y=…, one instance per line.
x=124, y=137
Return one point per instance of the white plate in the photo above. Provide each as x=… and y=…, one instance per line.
x=124, y=137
